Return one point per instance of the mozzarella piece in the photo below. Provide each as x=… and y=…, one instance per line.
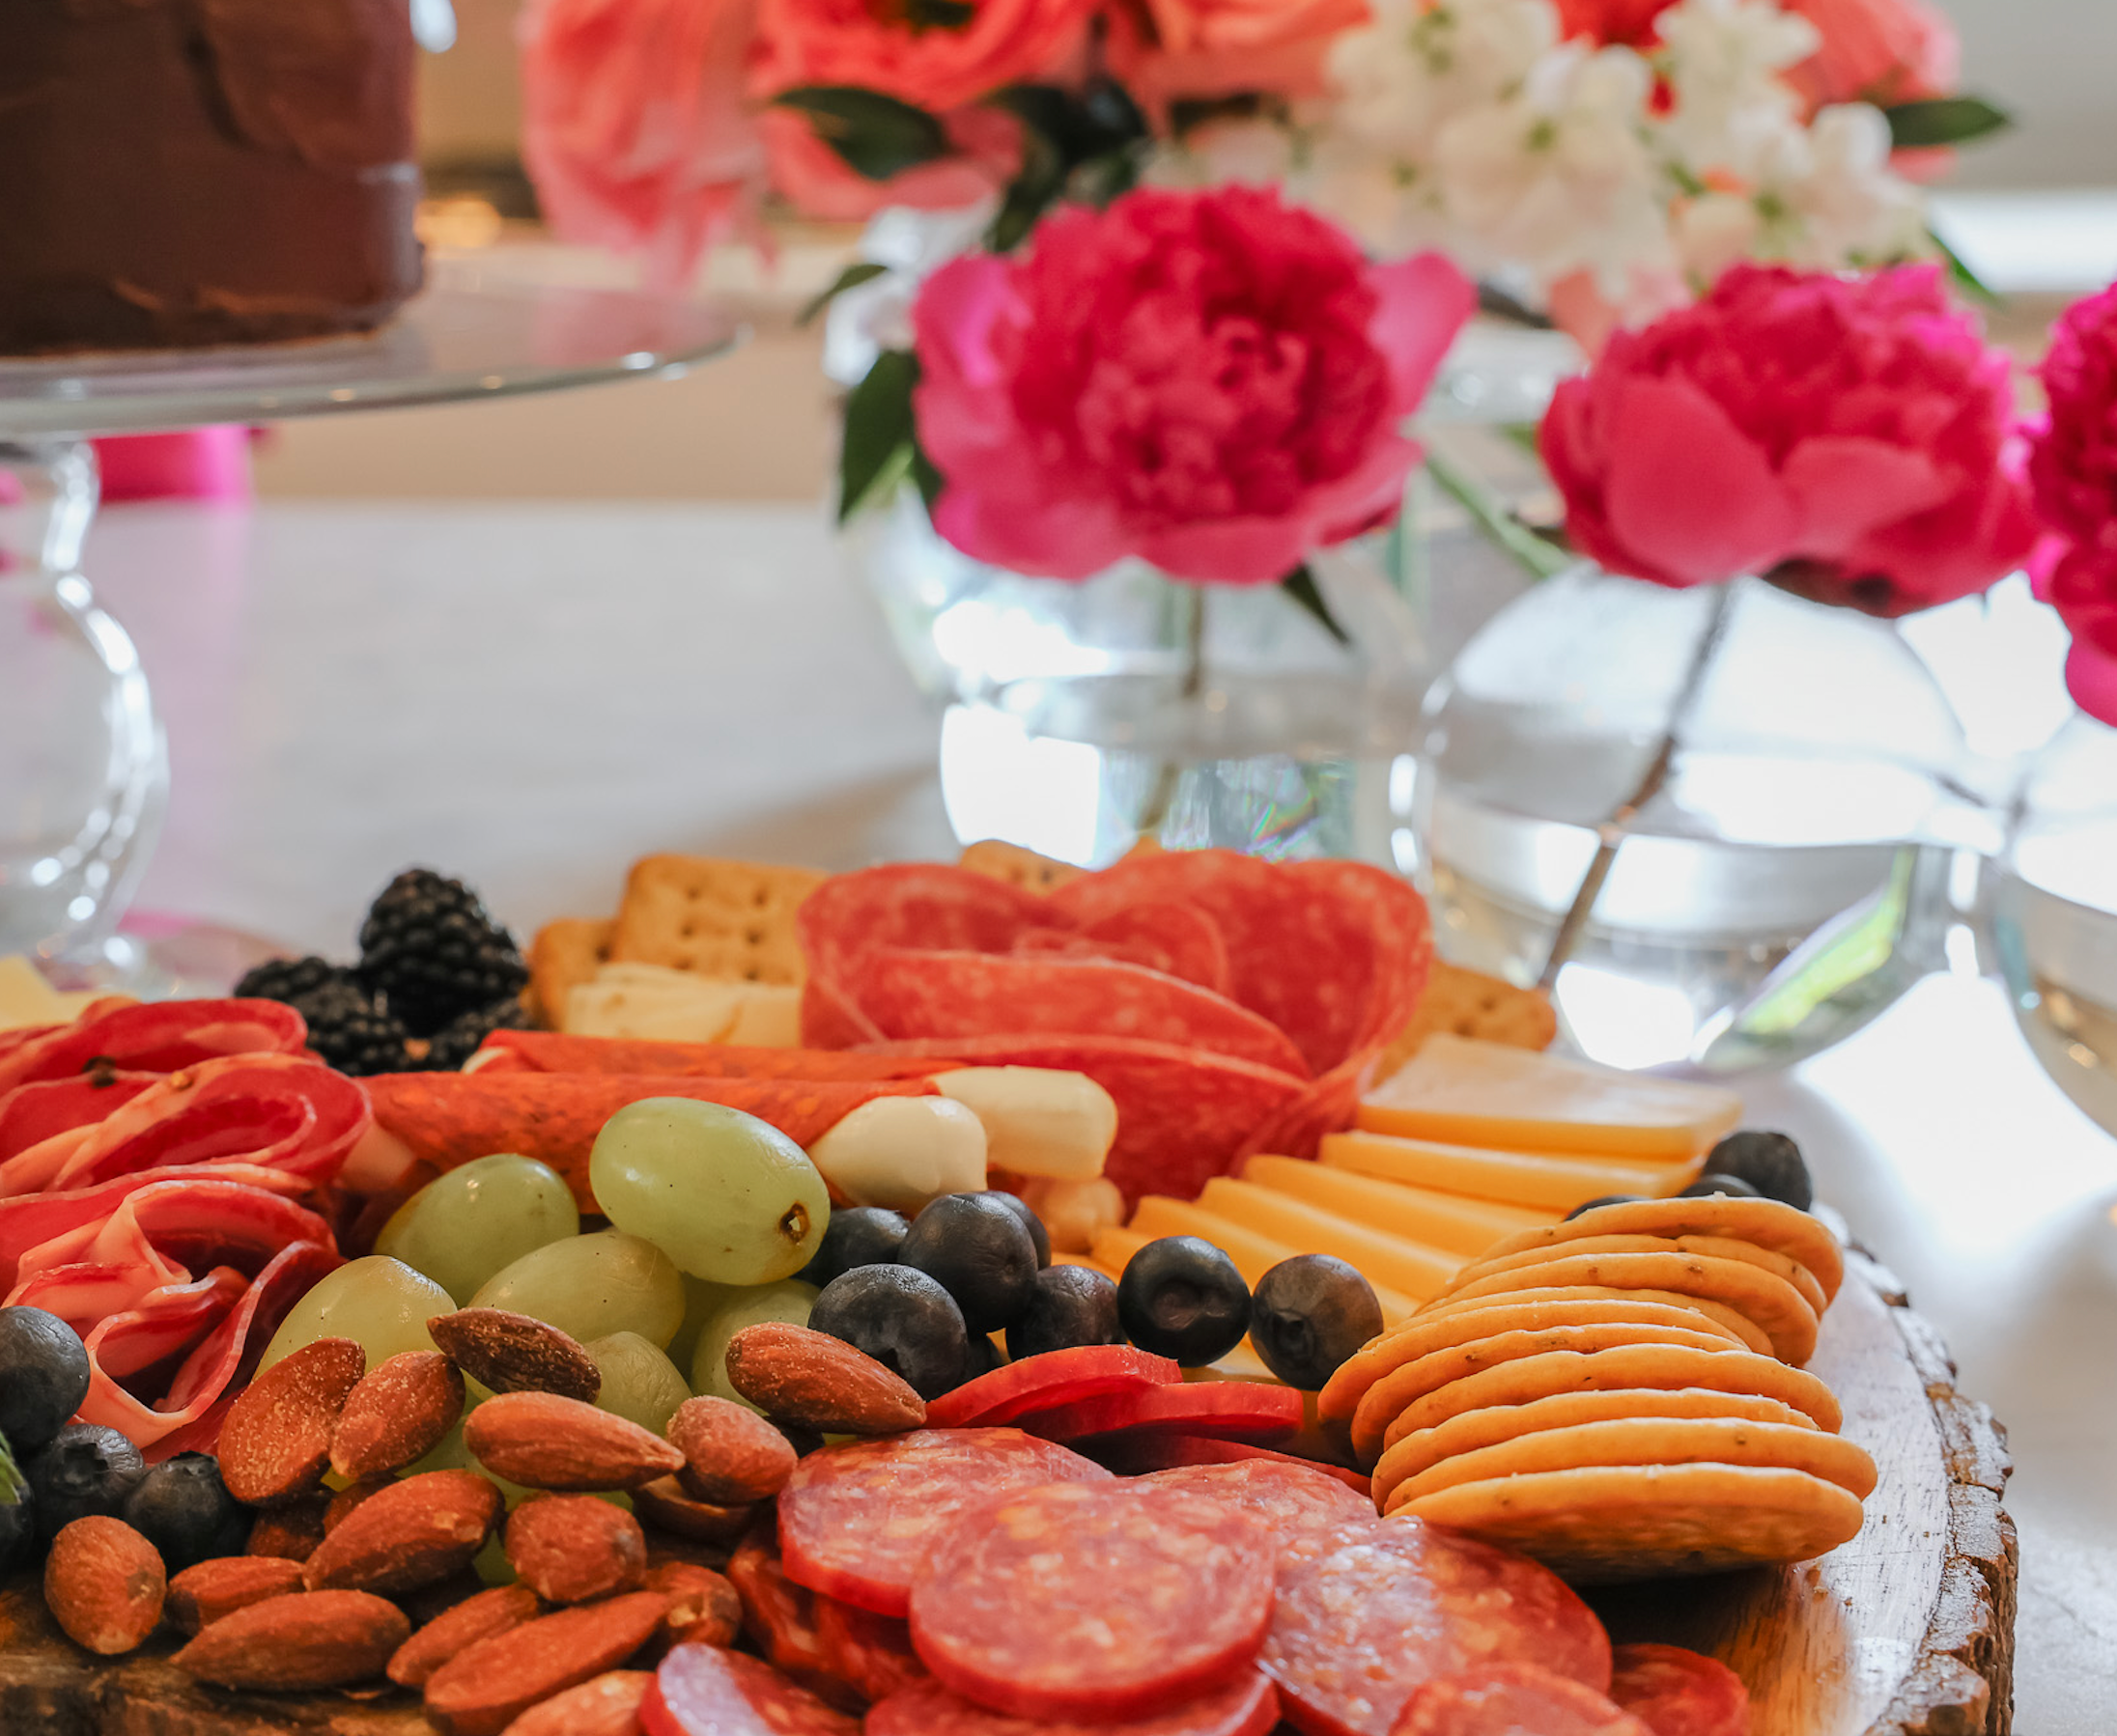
x=901, y=1152
x=1038, y=1121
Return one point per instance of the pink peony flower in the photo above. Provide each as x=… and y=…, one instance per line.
x=1167, y=49
x=932, y=65
x=1213, y=381
x=636, y=129
x=2073, y=467
x=1879, y=51
x=1853, y=438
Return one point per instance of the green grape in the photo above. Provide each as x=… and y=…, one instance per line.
x=462, y=1228
x=701, y=1301
x=788, y=1300
x=639, y=1383
x=591, y=1286
x=724, y=1194
x=381, y=1302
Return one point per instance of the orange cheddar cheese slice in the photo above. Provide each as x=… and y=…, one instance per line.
x=1449, y=1222
x=1252, y=1252
x=1523, y=1178
x=1419, y=1272
x=1465, y=1092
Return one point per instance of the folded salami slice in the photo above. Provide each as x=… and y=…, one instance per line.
x=781, y=1617
x=921, y=992
x=1167, y=935
x=1102, y=1601
x=1182, y=1115
x=1247, y=1410
x=871, y=1654
x=706, y=1691
x=1503, y=1700
x=1677, y=1692
x=1246, y=1705
x=450, y=1118
x=916, y=904
x=1356, y=1632
x=550, y=1052
x=1047, y=1381
x=157, y=1038
x=31, y=1115
x=859, y=1521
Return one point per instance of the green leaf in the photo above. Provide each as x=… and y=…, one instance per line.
x=1964, y=279
x=926, y=477
x=1081, y=144
x=1299, y=585
x=851, y=278
x=1539, y=557
x=878, y=440
x=876, y=136
x=1943, y=120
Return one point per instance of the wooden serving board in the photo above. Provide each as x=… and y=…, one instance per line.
x=1906, y=1631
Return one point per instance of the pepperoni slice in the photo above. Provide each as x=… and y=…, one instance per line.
x=1311, y=1512
x=1355, y=1632
x=704, y=1691
x=1247, y=1706
x=859, y=1521
x=780, y=1617
x=870, y=1653
x=1094, y=1601
x=1678, y=1692
x=1046, y=1382
x=1135, y=1455
x=1504, y=1699
x=1245, y=1409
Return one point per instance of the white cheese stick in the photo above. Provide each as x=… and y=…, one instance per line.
x=1038, y=1121
x=901, y=1152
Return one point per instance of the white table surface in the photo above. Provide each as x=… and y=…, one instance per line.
x=531, y=695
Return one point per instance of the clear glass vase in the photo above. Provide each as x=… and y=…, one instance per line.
x=1081, y=717
x=2053, y=912
x=1706, y=819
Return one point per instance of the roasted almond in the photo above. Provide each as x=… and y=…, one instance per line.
x=731, y=1455
x=104, y=1584
x=609, y=1705
x=572, y=1547
x=665, y=1505
x=475, y=1618
x=704, y=1607
x=545, y=1441
x=397, y=1414
x=486, y=1686
x=511, y=1353
x=306, y=1639
x=290, y=1532
x=200, y=1596
x=410, y=1535
x=819, y=1382
x=275, y=1442
x=343, y=1504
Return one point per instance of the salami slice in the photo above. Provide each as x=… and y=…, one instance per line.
x=1247, y=1410
x=1678, y=1692
x=1095, y=1602
x=1355, y=1632
x=1309, y=1512
x=704, y=1691
x=1046, y=1382
x=781, y=1617
x=155, y=1037
x=859, y=1521
x=1246, y=1706
x=871, y=1654
x=1170, y=935
x=1504, y=1699
x=1183, y=1114
x=551, y=1052
x=915, y=904
x=921, y=992
x=1135, y=1455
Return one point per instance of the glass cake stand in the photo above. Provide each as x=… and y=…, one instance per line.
x=84, y=773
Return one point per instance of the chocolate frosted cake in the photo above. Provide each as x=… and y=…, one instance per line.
x=176, y=173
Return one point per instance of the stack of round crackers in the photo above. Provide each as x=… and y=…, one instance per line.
x=1621, y=1394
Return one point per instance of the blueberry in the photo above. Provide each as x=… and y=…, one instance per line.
x=43, y=1377
x=858, y=1236
x=18, y=1514
x=1308, y=1314
x=85, y=1468
x=977, y=1250
x=1182, y=1297
x=1607, y=1199
x=1032, y=1223
x=1769, y=1162
x=901, y=1318
x=184, y=1510
x=1709, y=1184
x=1068, y=1305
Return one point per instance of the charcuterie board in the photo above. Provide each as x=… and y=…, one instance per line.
x=1906, y=1631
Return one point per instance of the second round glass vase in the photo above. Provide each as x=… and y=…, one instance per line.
x=1704, y=820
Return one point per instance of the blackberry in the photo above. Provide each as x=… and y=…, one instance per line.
x=354, y=1031
x=290, y=979
x=431, y=950
x=457, y=1040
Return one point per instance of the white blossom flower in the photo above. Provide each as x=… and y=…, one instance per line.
x=1723, y=61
